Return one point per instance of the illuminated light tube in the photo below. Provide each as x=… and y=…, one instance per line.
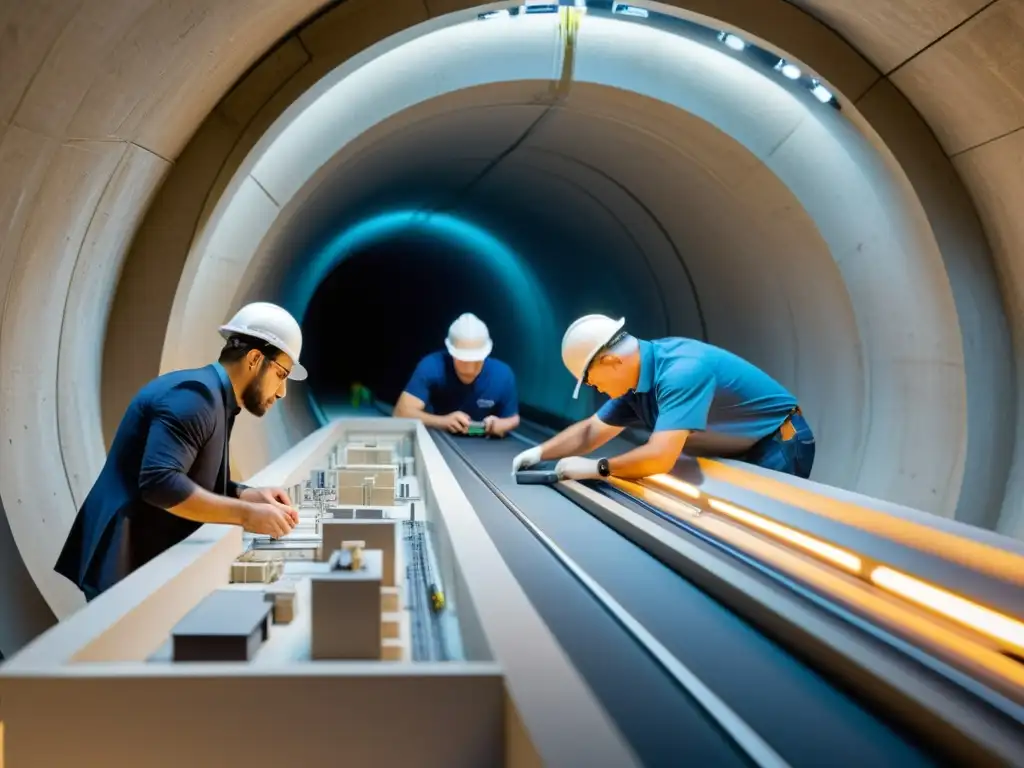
x=669, y=483
x=951, y=606
x=840, y=557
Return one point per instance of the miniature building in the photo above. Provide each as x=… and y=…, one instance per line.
x=377, y=534
x=346, y=611
x=281, y=596
x=363, y=454
x=351, y=513
x=351, y=476
x=228, y=625
x=390, y=602
x=247, y=570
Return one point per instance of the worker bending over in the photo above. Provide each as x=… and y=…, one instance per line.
x=167, y=472
x=449, y=389
x=687, y=393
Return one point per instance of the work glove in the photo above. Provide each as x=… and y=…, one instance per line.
x=526, y=459
x=577, y=468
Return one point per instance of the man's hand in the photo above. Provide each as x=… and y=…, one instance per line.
x=271, y=496
x=456, y=422
x=268, y=518
x=526, y=459
x=492, y=426
x=577, y=468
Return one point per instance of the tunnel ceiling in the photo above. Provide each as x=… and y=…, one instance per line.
x=110, y=109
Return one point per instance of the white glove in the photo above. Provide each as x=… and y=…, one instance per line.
x=577, y=468
x=527, y=458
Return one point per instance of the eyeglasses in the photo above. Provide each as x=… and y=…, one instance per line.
x=283, y=370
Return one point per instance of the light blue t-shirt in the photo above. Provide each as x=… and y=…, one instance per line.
x=687, y=384
x=493, y=392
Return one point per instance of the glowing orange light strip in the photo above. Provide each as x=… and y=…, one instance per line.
x=959, y=609
x=669, y=483
x=948, y=604
x=840, y=557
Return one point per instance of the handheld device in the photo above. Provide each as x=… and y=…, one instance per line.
x=476, y=429
x=536, y=477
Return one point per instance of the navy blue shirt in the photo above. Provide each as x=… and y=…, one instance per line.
x=493, y=392
x=171, y=440
x=687, y=384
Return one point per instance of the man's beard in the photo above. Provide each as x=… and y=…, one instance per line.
x=252, y=399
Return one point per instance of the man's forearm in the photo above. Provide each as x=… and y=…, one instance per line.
x=428, y=419
x=205, y=507
x=571, y=441
x=644, y=461
x=507, y=424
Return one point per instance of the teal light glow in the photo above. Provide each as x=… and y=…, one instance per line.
x=533, y=316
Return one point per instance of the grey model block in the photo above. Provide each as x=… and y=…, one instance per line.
x=369, y=514
x=536, y=477
x=378, y=534
x=346, y=611
x=228, y=625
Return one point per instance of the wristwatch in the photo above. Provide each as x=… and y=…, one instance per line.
x=602, y=468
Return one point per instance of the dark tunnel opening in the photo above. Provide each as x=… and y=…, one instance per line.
x=390, y=303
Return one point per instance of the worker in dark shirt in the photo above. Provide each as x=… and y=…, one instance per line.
x=167, y=472
x=462, y=384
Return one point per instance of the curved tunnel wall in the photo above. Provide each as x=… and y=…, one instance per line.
x=97, y=107
x=766, y=307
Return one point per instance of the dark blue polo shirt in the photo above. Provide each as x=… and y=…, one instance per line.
x=493, y=392
x=687, y=384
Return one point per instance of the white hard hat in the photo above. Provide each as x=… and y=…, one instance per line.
x=270, y=323
x=583, y=340
x=468, y=339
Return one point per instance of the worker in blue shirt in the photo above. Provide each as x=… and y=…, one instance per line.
x=463, y=384
x=687, y=393
x=167, y=471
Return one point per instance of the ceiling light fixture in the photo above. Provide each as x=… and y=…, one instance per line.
x=629, y=10
x=821, y=93
x=540, y=8
x=792, y=71
x=729, y=40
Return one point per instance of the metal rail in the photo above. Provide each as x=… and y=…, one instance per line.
x=737, y=730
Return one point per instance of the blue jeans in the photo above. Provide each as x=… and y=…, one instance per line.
x=794, y=456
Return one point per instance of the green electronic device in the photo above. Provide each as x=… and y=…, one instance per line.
x=476, y=429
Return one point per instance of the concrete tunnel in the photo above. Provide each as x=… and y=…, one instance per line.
x=379, y=166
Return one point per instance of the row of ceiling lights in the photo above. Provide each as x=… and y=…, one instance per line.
x=787, y=69
x=730, y=40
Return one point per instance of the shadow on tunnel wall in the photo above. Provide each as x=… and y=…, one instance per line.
x=24, y=611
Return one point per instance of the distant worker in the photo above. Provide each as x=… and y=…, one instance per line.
x=686, y=393
x=167, y=472
x=448, y=390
